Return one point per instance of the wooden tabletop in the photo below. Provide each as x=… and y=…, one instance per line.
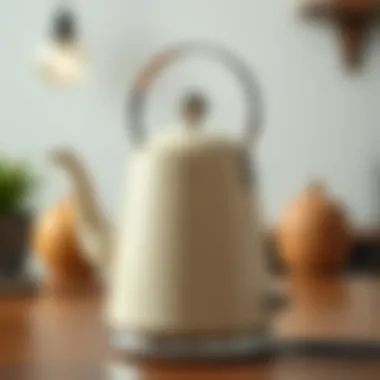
x=64, y=338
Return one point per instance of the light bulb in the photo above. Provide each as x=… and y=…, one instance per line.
x=61, y=62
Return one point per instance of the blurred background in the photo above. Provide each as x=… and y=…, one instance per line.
x=320, y=120
x=318, y=162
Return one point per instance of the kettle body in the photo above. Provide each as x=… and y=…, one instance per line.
x=189, y=268
x=190, y=259
x=185, y=272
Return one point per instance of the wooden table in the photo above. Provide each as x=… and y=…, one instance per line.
x=64, y=338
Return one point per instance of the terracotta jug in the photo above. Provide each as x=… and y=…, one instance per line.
x=57, y=248
x=314, y=235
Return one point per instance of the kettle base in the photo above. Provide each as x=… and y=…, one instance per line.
x=244, y=346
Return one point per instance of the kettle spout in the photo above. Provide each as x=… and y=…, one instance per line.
x=93, y=230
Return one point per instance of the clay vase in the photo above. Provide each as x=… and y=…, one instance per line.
x=314, y=234
x=56, y=246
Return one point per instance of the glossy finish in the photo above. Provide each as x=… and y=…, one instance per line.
x=64, y=338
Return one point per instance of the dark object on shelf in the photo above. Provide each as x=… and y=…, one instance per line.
x=354, y=19
x=14, y=239
x=365, y=258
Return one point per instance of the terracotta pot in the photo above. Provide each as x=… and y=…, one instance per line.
x=57, y=248
x=314, y=234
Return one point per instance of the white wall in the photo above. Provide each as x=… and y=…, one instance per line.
x=320, y=121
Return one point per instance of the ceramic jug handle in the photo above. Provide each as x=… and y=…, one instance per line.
x=156, y=65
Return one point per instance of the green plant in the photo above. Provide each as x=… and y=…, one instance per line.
x=17, y=185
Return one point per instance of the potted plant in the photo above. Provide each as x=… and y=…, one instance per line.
x=17, y=184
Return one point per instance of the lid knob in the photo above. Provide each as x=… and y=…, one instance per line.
x=193, y=109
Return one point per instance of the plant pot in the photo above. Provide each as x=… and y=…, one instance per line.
x=14, y=239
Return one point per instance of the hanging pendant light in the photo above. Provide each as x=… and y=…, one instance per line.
x=61, y=60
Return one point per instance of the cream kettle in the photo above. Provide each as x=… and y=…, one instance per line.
x=186, y=264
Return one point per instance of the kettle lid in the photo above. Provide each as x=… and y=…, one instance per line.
x=191, y=135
